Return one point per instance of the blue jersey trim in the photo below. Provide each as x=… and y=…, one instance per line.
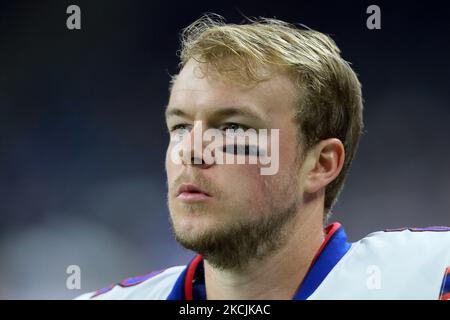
x=331, y=254
x=177, y=292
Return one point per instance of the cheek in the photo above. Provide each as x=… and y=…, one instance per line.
x=244, y=183
x=170, y=165
x=168, y=151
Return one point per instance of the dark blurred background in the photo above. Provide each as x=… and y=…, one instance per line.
x=82, y=133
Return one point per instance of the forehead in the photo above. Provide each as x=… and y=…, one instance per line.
x=194, y=92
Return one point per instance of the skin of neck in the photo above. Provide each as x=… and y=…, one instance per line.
x=278, y=275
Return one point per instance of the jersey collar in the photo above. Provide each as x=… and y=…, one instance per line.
x=333, y=248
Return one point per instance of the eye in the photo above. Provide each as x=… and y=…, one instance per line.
x=180, y=129
x=233, y=127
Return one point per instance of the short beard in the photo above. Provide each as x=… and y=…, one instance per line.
x=234, y=246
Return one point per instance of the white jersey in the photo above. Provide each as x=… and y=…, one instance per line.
x=409, y=263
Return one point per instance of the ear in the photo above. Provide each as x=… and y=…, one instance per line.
x=326, y=160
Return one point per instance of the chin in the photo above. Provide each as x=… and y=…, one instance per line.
x=188, y=223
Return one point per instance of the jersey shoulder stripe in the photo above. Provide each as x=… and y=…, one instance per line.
x=416, y=229
x=153, y=286
x=445, y=288
x=129, y=282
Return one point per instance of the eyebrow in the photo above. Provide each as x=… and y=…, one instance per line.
x=221, y=113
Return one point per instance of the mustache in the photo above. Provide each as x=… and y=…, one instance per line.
x=198, y=180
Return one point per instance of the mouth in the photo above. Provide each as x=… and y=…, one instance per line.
x=190, y=193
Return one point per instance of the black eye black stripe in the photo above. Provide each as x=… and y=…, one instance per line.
x=249, y=150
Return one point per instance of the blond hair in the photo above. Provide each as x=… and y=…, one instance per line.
x=330, y=100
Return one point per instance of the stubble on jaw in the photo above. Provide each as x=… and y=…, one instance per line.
x=233, y=245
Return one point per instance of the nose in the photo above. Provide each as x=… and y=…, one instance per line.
x=193, y=147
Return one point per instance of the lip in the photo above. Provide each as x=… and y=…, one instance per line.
x=190, y=192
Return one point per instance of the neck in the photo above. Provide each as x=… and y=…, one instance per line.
x=278, y=275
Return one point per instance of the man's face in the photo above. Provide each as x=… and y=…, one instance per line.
x=243, y=208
